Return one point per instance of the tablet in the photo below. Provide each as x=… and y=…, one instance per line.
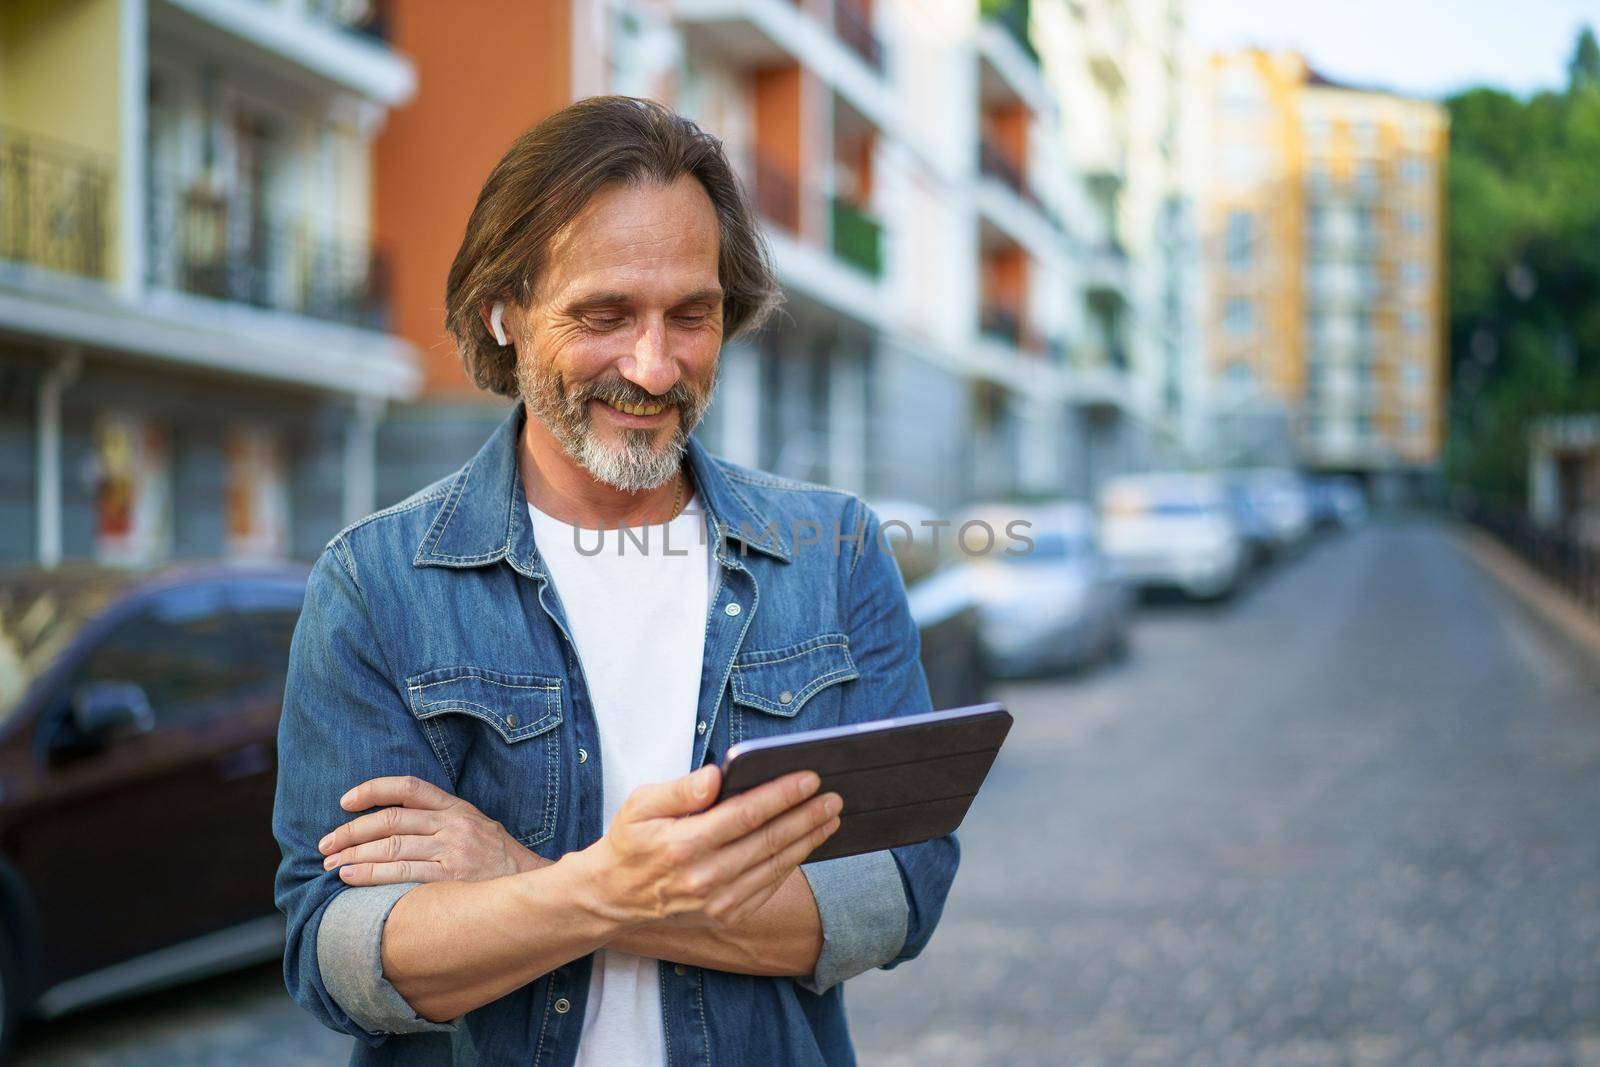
x=903, y=780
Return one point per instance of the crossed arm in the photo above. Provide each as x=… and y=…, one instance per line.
x=671, y=880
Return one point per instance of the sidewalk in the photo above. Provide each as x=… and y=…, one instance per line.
x=1554, y=605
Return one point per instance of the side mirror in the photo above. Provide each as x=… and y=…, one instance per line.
x=102, y=711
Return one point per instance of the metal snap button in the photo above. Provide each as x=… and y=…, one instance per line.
x=563, y=1005
x=785, y=697
x=732, y=609
x=583, y=755
x=700, y=727
x=680, y=969
x=511, y=720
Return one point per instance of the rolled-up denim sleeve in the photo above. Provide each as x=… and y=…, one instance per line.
x=862, y=902
x=879, y=909
x=344, y=721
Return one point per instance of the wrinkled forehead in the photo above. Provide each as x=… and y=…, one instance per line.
x=656, y=241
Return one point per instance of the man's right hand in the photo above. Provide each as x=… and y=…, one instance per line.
x=668, y=858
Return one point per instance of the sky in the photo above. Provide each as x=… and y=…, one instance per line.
x=1419, y=47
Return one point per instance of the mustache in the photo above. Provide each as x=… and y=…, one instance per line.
x=621, y=391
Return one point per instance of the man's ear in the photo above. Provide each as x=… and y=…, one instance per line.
x=493, y=316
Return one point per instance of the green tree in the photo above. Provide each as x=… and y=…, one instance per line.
x=1585, y=66
x=1524, y=261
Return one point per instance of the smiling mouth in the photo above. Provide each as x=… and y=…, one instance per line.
x=636, y=409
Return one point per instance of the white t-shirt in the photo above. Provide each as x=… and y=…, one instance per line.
x=637, y=612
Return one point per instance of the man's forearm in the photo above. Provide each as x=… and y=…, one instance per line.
x=782, y=938
x=450, y=947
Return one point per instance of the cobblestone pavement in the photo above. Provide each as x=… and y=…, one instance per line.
x=1352, y=817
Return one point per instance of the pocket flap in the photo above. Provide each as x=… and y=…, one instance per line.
x=780, y=681
x=518, y=706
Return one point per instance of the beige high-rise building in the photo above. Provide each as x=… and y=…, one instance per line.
x=1322, y=243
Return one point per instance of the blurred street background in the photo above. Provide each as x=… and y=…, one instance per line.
x=1279, y=323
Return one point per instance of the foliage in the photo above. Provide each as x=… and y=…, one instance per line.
x=1524, y=261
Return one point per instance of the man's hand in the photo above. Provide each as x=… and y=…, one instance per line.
x=666, y=859
x=427, y=835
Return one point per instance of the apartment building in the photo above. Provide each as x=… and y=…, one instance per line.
x=1324, y=256
x=194, y=350
x=952, y=326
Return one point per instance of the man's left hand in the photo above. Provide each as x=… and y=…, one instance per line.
x=420, y=833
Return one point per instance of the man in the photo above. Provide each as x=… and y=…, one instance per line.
x=540, y=880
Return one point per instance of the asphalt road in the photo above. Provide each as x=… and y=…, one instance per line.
x=1351, y=817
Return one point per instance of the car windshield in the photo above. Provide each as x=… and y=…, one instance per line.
x=1049, y=546
x=40, y=614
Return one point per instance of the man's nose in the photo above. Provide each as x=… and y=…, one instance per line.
x=651, y=366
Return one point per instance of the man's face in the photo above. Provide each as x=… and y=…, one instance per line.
x=617, y=352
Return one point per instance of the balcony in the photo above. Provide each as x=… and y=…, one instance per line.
x=214, y=244
x=55, y=205
x=1001, y=321
x=995, y=164
x=857, y=238
x=1012, y=15
x=777, y=195
x=854, y=27
x=365, y=18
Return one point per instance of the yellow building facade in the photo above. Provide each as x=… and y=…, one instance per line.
x=1323, y=238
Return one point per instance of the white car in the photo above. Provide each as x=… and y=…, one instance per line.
x=1173, y=530
x=1048, y=600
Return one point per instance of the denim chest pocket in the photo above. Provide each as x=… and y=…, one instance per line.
x=497, y=736
x=772, y=687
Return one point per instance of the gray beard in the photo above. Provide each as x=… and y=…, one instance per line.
x=635, y=464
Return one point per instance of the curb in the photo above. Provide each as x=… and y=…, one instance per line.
x=1552, y=603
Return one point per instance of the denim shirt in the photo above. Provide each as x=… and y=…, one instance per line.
x=433, y=643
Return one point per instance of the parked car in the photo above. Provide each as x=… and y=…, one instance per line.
x=1260, y=539
x=940, y=600
x=1173, y=530
x=1052, y=602
x=138, y=715
x=1337, y=503
x=1282, y=499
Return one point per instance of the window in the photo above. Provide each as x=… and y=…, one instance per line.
x=1239, y=316
x=1413, y=424
x=1414, y=170
x=1366, y=137
x=1415, y=223
x=1239, y=375
x=1413, y=322
x=184, y=649
x=1411, y=374
x=1414, y=272
x=1241, y=239
x=132, y=490
x=257, y=497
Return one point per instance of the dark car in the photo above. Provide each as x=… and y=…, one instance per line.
x=138, y=717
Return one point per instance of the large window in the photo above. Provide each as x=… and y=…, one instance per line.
x=1241, y=240
x=1239, y=316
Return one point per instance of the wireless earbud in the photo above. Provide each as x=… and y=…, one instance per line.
x=494, y=322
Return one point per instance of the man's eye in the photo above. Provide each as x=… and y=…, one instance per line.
x=605, y=323
x=692, y=320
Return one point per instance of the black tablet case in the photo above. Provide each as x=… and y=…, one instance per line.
x=900, y=786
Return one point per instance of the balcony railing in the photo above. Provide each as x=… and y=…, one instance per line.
x=855, y=30
x=368, y=18
x=214, y=245
x=857, y=238
x=1013, y=15
x=1002, y=321
x=55, y=205
x=996, y=164
x=777, y=196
